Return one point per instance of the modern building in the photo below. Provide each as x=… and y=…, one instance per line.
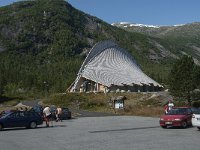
x=109, y=68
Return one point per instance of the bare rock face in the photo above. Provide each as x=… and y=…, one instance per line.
x=168, y=41
x=161, y=53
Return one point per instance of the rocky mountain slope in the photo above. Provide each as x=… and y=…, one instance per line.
x=183, y=38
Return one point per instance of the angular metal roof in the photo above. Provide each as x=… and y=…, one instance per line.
x=108, y=64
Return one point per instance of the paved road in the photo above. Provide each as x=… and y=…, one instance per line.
x=102, y=133
x=84, y=113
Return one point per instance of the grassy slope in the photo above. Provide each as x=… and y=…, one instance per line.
x=141, y=104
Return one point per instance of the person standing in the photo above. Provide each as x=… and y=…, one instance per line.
x=166, y=108
x=170, y=105
x=58, y=114
x=47, y=115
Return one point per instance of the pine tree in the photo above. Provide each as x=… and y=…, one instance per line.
x=182, y=80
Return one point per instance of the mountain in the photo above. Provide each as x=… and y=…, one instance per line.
x=152, y=30
x=43, y=44
x=182, y=38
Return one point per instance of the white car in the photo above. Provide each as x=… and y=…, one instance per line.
x=196, y=117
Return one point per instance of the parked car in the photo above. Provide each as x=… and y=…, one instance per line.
x=38, y=108
x=6, y=112
x=196, y=117
x=66, y=114
x=177, y=117
x=29, y=119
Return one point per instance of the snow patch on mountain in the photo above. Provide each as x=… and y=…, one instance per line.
x=128, y=24
x=143, y=25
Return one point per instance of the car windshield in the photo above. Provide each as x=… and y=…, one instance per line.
x=196, y=110
x=178, y=111
x=38, y=108
x=4, y=113
x=66, y=109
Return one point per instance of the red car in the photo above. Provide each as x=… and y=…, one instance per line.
x=177, y=117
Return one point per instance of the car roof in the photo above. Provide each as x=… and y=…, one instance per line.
x=8, y=111
x=183, y=107
x=65, y=108
x=195, y=110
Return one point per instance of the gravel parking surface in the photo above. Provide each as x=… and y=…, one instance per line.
x=102, y=133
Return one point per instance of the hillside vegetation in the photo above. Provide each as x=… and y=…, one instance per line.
x=43, y=43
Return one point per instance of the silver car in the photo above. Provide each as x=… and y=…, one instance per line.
x=196, y=117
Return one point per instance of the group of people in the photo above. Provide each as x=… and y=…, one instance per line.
x=48, y=116
x=168, y=106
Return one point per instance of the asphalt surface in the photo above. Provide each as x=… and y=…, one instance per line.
x=84, y=113
x=101, y=133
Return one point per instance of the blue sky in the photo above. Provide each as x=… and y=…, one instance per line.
x=152, y=12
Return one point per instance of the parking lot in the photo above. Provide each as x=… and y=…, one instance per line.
x=102, y=133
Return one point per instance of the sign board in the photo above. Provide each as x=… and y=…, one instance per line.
x=119, y=104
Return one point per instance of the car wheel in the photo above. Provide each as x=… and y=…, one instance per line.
x=198, y=128
x=164, y=127
x=1, y=127
x=33, y=125
x=184, y=124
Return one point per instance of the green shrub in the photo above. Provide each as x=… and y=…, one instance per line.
x=196, y=103
x=66, y=100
